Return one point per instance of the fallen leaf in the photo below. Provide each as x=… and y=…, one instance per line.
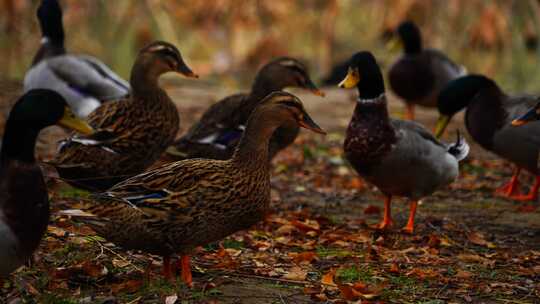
x=394, y=268
x=463, y=274
x=171, y=299
x=308, y=225
x=328, y=278
x=477, y=238
x=303, y=257
x=296, y=273
x=130, y=286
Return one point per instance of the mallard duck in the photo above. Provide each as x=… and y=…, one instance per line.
x=419, y=74
x=488, y=119
x=401, y=158
x=131, y=133
x=179, y=206
x=84, y=81
x=217, y=133
x=24, y=203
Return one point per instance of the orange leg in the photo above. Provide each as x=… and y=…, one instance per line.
x=167, y=269
x=509, y=189
x=409, y=114
x=533, y=193
x=186, y=271
x=409, y=228
x=387, y=218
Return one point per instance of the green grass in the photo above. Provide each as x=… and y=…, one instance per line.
x=324, y=252
x=354, y=274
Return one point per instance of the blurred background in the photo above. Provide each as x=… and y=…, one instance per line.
x=227, y=40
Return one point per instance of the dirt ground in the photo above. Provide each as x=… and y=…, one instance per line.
x=317, y=244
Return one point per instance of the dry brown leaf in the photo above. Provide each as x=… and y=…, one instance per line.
x=478, y=238
x=130, y=286
x=303, y=257
x=328, y=278
x=296, y=273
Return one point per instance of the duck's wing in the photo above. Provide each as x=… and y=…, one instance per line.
x=444, y=68
x=519, y=144
x=111, y=78
x=518, y=105
x=88, y=76
x=220, y=125
x=84, y=76
x=406, y=127
x=171, y=189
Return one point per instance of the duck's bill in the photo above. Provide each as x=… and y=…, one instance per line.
x=70, y=121
x=530, y=116
x=309, y=124
x=186, y=71
x=351, y=80
x=313, y=88
x=442, y=123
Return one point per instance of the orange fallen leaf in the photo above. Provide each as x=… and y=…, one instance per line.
x=394, y=268
x=303, y=257
x=308, y=225
x=478, y=238
x=328, y=278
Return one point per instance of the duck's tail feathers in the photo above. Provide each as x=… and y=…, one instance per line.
x=460, y=149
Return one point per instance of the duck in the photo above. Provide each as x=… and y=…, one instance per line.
x=419, y=74
x=218, y=131
x=399, y=157
x=84, y=81
x=24, y=203
x=131, y=133
x=176, y=207
x=488, y=119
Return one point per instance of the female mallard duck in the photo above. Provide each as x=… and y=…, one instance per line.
x=419, y=74
x=84, y=81
x=24, y=203
x=179, y=206
x=217, y=133
x=488, y=119
x=400, y=157
x=132, y=132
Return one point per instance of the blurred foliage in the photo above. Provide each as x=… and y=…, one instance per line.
x=234, y=37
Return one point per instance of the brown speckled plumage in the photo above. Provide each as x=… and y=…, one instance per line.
x=218, y=131
x=137, y=129
x=178, y=206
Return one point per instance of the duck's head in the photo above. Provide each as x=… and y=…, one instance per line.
x=408, y=38
x=531, y=115
x=286, y=108
x=285, y=72
x=161, y=57
x=364, y=73
x=456, y=96
x=49, y=15
x=41, y=108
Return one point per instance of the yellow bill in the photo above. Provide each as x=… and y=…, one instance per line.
x=70, y=121
x=442, y=123
x=351, y=80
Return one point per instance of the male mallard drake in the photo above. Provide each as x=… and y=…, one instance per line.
x=24, y=203
x=179, y=206
x=399, y=157
x=84, y=81
x=419, y=74
x=132, y=132
x=488, y=119
x=217, y=133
